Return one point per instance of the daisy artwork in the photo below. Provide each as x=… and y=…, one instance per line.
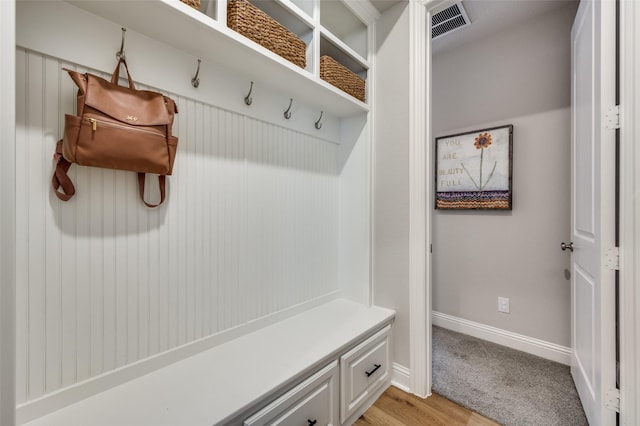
x=473, y=170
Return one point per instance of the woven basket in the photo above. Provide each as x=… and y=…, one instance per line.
x=341, y=77
x=246, y=19
x=193, y=3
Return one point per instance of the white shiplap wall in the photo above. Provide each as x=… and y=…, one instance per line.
x=249, y=228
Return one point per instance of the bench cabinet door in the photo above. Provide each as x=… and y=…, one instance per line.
x=363, y=370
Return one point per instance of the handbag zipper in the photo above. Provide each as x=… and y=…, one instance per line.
x=94, y=126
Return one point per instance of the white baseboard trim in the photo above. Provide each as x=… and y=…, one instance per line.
x=538, y=347
x=401, y=377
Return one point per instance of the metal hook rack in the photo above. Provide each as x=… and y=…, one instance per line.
x=287, y=113
x=318, y=123
x=120, y=53
x=248, y=99
x=195, y=81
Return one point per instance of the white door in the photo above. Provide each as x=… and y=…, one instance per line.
x=592, y=208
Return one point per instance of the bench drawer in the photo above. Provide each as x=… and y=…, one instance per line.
x=312, y=402
x=363, y=370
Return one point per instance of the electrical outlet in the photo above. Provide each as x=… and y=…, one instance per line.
x=503, y=304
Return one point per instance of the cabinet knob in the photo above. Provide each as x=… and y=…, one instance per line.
x=312, y=422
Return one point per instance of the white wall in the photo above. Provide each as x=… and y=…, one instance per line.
x=391, y=174
x=519, y=76
x=354, y=245
x=7, y=214
x=249, y=228
x=249, y=231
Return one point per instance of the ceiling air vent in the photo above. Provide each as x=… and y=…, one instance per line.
x=448, y=20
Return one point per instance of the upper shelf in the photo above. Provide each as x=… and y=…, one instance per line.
x=203, y=37
x=341, y=22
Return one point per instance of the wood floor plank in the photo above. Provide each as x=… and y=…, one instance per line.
x=398, y=408
x=375, y=416
x=412, y=414
x=453, y=412
x=478, y=420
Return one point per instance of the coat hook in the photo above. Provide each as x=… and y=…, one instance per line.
x=248, y=99
x=287, y=113
x=318, y=123
x=195, y=81
x=120, y=53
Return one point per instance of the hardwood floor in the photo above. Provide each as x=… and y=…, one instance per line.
x=398, y=408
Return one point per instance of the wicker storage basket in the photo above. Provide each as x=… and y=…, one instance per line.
x=246, y=19
x=193, y=3
x=341, y=77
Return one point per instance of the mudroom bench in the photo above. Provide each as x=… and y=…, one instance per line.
x=324, y=366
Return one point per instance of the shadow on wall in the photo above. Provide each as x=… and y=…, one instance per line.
x=229, y=165
x=391, y=19
x=476, y=213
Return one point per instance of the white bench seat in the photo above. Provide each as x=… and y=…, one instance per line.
x=227, y=382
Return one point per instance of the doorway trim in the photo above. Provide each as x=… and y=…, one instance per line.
x=420, y=193
x=419, y=215
x=629, y=214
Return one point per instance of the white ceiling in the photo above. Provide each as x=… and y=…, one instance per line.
x=487, y=17
x=490, y=16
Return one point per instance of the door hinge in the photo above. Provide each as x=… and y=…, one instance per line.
x=612, y=258
x=612, y=118
x=612, y=400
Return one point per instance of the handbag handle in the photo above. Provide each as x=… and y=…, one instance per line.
x=161, y=185
x=116, y=74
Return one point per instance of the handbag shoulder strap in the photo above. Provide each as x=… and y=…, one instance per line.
x=61, y=180
x=60, y=177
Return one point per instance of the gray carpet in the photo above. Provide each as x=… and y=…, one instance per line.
x=511, y=387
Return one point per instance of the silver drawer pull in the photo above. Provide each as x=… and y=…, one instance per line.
x=369, y=373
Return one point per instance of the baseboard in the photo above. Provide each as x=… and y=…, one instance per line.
x=400, y=377
x=541, y=348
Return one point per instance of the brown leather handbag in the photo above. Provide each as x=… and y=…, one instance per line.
x=116, y=127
